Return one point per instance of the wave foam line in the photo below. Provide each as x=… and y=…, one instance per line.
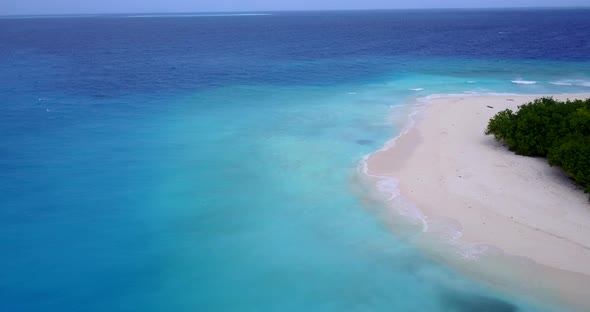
x=571, y=82
x=524, y=82
x=390, y=185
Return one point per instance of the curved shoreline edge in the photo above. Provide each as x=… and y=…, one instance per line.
x=515, y=222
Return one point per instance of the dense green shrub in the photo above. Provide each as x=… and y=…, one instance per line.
x=573, y=155
x=549, y=128
x=502, y=126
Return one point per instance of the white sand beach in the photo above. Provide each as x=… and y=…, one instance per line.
x=451, y=170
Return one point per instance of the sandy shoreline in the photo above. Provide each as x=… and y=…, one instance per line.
x=459, y=177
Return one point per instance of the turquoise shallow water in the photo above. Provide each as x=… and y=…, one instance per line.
x=208, y=164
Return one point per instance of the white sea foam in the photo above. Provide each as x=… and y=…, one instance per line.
x=561, y=83
x=351, y=93
x=447, y=229
x=388, y=185
x=477, y=91
x=471, y=93
x=471, y=81
x=524, y=82
x=571, y=82
x=417, y=89
x=473, y=251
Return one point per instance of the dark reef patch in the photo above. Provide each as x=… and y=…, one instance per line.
x=364, y=142
x=457, y=301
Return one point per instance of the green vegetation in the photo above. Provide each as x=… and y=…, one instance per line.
x=548, y=128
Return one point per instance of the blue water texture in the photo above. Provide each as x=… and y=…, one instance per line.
x=206, y=162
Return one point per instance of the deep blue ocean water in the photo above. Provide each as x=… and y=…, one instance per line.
x=206, y=163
